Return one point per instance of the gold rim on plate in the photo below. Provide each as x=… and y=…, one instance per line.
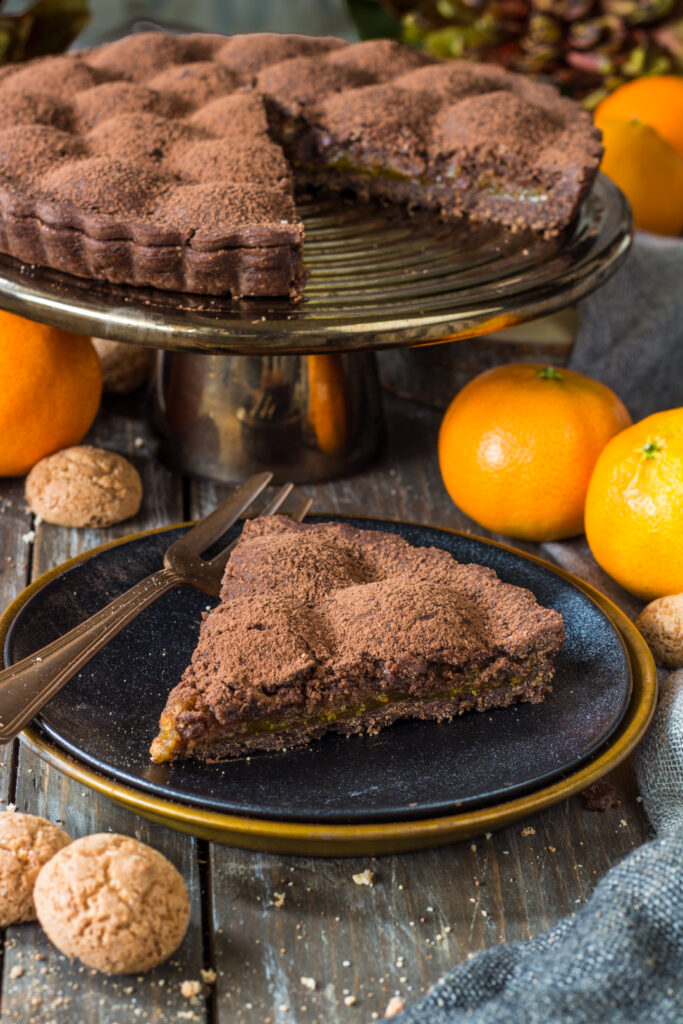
x=385, y=837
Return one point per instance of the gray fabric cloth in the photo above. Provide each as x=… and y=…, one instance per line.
x=619, y=959
x=631, y=333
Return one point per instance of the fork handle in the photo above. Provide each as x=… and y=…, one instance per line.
x=29, y=684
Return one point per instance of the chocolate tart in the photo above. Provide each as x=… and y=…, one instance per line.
x=330, y=628
x=171, y=161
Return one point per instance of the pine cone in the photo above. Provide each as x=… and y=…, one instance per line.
x=586, y=47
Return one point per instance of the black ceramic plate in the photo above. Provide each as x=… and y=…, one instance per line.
x=107, y=715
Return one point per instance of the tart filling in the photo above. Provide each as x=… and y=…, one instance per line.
x=179, y=737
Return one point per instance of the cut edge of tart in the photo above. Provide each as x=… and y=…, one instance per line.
x=327, y=628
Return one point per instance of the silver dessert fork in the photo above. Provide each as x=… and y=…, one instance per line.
x=29, y=684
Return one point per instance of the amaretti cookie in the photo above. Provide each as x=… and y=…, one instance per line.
x=84, y=486
x=114, y=903
x=125, y=367
x=27, y=842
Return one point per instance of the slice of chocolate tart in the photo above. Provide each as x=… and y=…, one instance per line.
x=329, y=628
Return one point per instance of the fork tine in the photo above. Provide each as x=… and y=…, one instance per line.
x=207, y=531
x=301, y=509
x=278, y=500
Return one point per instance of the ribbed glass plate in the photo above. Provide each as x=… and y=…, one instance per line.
x=377, y=278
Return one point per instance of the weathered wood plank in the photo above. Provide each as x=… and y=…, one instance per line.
x=425, y=912
x=15, y=545
x=36, y=976
x=363, y=944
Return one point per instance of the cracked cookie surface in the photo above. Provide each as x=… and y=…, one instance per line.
x=27, y=842
x=114, y=903
x=84, y=486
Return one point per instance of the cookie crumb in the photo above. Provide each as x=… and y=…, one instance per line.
x=600, y=796
x=366, y=877
x=394, y=1007
x=528, y=831
x=279, y=899
x=190, y=988
x=309, y=983
x=349, y=1000
x=16, y=972
x=208, y=976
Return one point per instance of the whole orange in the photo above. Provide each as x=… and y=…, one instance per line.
x=518, y=444
x=50, y=391
x=656, y=100
x=649, y=171
x=634, y=507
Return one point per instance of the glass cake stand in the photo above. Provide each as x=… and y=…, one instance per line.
x=264, y=384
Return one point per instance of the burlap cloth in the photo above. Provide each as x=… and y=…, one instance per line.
x=619, y=959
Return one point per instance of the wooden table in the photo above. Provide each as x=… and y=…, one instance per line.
x=264, y=923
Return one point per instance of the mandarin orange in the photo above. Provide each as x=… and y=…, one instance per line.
x=634, y=506
x=655, y=100
x=518, y=444
x=50, y=392
x=648, y=171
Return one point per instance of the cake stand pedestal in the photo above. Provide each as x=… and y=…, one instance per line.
x=263, y=384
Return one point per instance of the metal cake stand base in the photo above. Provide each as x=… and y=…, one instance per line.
x=262, y=384
x=304, y=418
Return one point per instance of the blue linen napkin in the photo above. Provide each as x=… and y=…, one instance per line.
x=619, y=959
